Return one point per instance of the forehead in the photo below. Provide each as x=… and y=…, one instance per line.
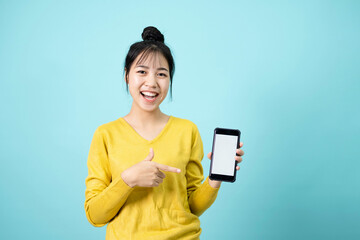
x=151, y=59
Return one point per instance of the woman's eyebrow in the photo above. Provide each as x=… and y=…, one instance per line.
x=160, y=68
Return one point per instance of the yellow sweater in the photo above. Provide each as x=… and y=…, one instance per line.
x=169, y=211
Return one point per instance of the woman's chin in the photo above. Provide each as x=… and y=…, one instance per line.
x=149, y=108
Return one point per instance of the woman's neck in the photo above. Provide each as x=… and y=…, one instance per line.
x=145, y=119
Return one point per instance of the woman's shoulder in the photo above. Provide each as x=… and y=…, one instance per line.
x=184, y=123
x=109, y=126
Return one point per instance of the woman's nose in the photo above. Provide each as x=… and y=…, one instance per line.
x=151, y=81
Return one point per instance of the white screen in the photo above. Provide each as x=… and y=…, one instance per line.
x=224, y=154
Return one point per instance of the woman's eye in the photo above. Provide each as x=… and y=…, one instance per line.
x=162, y=74
x=141, y=72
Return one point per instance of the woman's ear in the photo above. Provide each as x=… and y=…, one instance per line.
x=125, y=76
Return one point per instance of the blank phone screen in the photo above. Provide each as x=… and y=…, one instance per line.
x=223, y=161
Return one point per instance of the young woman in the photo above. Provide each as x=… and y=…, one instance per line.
x=145, y=173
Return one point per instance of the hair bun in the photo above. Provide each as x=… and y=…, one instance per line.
x=152, y=34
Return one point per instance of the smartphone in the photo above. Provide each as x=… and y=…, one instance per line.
x=223, y=163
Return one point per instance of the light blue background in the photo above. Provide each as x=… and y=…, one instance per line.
x=286, y=73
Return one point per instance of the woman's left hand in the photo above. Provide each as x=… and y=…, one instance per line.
x=240, y=152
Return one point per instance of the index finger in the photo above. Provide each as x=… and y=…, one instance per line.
x=166, y=168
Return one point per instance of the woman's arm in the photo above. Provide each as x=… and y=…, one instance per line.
x=200, y=196
x=104, y=196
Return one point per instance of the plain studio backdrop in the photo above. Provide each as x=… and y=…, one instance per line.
x=286, y=73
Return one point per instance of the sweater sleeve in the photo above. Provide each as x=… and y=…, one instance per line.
x=104, y=196
x=200, y=195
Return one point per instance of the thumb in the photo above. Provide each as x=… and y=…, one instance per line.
x=150, y=156
x=209, y=155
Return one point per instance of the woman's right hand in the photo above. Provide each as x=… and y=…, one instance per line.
x=146, y=173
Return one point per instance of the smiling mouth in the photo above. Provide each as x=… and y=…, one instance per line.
x=150, y=97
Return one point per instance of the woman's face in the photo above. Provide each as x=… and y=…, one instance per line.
x=149, y=81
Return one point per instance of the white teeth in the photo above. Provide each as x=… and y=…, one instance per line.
x=149, y=94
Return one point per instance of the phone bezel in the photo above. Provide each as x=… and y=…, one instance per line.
x=219, y=177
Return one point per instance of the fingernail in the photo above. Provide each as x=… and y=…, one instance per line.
x=178, y=170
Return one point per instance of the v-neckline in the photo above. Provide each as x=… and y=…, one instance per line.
x=142, y=138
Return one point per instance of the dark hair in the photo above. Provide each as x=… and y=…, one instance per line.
x=153, y=42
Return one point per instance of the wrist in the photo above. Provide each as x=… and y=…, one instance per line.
x=125, y=177
x=214, y=184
